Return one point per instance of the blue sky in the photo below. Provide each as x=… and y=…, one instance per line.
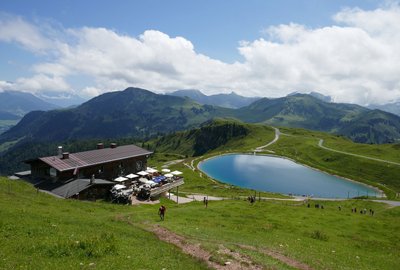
x=214, y=26
x=215, y=46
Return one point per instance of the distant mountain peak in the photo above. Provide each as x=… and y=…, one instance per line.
x=314, y=94
x=231, y=100
x=393, y=107
x=20, y=103
x=321, y=96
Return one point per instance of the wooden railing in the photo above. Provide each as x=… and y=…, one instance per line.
x=166, y=187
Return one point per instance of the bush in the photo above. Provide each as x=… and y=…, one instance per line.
x=319, y=235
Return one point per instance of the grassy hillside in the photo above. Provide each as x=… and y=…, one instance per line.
x=388, y=151
x=305, y=111
x=214, y=135
x=38, y=231
x=302, y=146
x=132, y=112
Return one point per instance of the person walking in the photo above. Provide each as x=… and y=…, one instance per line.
x=161, y=212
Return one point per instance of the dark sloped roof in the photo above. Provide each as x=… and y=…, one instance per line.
x=76, y=186
x=93, y=157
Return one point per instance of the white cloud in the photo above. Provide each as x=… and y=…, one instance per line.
x=357, y=60
x=39, y=83
x=15, y=29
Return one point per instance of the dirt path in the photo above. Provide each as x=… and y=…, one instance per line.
x=280, y=257
x=277, y=133
x=320, y=144
x=236, y=260
x=172, y=162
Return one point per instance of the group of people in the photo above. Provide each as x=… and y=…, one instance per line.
x=363, y=211
x=317, y=205
x=251, y=199
x=353, y=210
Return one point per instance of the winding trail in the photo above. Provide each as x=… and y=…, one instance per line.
x=320, y=144
x=236, y=259
x=277, y=134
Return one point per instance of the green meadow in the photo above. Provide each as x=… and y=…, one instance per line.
x=38, y=231
x=298, y=144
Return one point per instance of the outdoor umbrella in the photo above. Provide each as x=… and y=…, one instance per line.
x=120, y=179
x=117, y=187
x=151, y=170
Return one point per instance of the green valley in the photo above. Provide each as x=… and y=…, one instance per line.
x=41, y=232
x=300, y=145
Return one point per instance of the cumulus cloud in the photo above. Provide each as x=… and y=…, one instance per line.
x=36, y=84
x=16, y=29
x=354, y=60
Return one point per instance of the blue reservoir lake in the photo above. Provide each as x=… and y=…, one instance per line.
x=280, y=175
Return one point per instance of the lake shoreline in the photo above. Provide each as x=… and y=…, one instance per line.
x=380, y=194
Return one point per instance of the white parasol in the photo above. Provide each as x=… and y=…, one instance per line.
x=120, y=179
x=176, y=173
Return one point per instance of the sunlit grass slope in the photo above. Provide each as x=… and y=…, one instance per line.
x=298, y=144
x=38, y=231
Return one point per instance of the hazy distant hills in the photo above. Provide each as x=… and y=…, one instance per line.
x=14, y=105
x=20, y=103
x=63, y=100
x=8, y=116
x=231, y=100
x=305, y=111
x=132, y=112
x=390, y=107
x=140, y=113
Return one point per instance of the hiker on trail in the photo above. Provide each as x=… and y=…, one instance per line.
x=206, y=203
x=252, y=199
x=340, y=208
x=204, y=200
x=161, y=211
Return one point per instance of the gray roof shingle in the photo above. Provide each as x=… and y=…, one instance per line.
x=94, y=157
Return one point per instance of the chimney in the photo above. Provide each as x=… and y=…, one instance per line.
x=113, y=145
x=65, y=155
x=100, y=146
x=60, y=151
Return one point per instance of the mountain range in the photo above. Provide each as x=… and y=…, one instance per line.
x=20, y=103
x=132, y=112
x=231, y=100
x=393, y=107
x=140, y=113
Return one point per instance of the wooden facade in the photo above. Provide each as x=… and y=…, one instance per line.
x=109, y=166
